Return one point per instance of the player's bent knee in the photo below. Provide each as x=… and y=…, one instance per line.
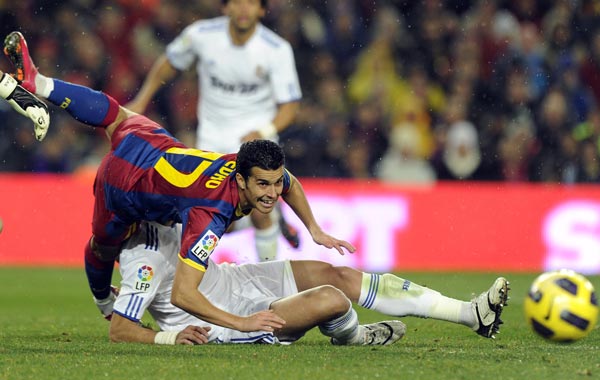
x=331, y=298
x=121, y=115
x=117, y=332
x=114, y=336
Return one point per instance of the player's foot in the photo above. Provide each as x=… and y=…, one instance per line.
x=378, y=334
x=15, y=48
x=488, y=308
x=106, y=305
x=289, y=233
x=384, y=333
x=27, y=104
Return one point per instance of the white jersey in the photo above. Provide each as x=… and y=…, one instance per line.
x=147, y=266
x=240, y=86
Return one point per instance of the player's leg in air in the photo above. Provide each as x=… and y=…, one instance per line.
x=91, y=107
x=392, y=295
x=26, y=104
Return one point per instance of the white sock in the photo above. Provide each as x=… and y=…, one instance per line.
x=266, y=242
x=344, y=329
x=43, y=85
x=396, y=296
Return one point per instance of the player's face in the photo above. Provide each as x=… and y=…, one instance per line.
x=262, y=189
x=244, y=14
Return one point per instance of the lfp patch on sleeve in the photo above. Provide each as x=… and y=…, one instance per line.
x=205, y=246
x=144, y=275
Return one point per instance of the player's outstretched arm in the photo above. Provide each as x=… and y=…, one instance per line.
x=161, y=72
x=124, y=330
x=25, y=103
x=296, y=199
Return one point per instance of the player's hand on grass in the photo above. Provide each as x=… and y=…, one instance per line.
x=193, y=335
x=328, y=241
x=265, y=320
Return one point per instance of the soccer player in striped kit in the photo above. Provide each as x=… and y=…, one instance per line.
x=150, y=176
x=249, y=89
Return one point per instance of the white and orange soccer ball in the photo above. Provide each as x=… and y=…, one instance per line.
x=561, y=306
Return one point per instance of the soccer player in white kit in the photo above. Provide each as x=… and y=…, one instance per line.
x=147, y=266
x=323, y=293
x=249, y=89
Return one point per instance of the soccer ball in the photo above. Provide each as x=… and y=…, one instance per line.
x=561, y=306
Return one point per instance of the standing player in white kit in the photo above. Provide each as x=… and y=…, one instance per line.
x=249, y=89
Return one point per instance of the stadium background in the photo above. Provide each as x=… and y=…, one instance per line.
x=486, y=112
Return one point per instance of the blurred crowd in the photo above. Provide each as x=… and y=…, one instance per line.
x=404, y=91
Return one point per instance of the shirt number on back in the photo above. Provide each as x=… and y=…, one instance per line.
x=179, y=179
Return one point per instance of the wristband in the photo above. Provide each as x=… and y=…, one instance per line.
x=7, y=85
x=268, y=132
x=166, y=337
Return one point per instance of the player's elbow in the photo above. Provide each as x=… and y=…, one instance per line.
x=115, y=337
x=181, y=301
x=121, y=330
x=116, y=334
x=178, y=298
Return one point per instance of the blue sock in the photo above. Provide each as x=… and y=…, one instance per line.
x=99, y=274
x=84, y=104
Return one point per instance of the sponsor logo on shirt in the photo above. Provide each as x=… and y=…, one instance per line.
x=205, y=246
x=241, y=88
x=144, y=275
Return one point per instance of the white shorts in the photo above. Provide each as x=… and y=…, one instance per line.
x=147, y=266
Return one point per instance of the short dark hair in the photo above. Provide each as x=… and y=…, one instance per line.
x=264, y=154
x=263, y=3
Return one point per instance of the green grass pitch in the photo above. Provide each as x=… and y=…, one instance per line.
x=50, y=329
